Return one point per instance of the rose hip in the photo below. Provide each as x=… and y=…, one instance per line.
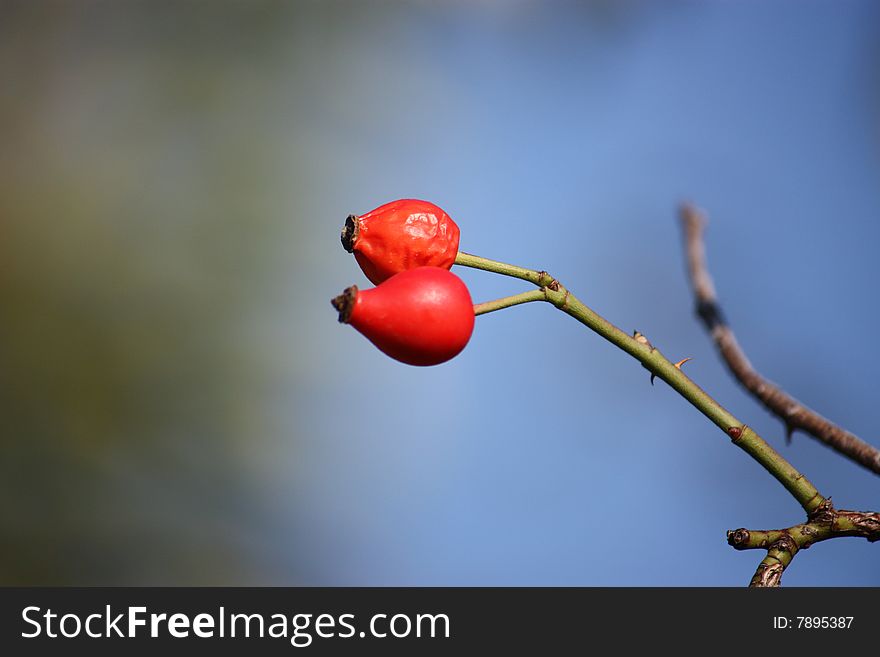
x=399, y=236
x=422, y=316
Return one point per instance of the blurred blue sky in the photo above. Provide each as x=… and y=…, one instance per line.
x=558, y=135
x=563, y=137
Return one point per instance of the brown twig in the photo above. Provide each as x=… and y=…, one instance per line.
x=782, y=544
x=792, y=412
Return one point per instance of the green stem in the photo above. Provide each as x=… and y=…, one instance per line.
x=747, y=439
x=507, y=302
x=539, y=278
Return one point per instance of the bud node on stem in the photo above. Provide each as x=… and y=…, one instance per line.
x=738, y=538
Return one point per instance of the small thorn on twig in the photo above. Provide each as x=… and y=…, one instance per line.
x=789, y=431
x=682, y=362
x=639, y=337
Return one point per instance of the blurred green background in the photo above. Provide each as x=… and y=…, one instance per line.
x=151, y=209
x=179, y=406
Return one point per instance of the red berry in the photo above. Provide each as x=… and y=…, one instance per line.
x=422, y=316
x=401, y=235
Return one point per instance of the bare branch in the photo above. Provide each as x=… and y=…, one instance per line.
x=783, y=544
x=793, y=413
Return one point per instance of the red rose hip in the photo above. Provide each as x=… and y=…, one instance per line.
x=399, y=236
x=422, y=316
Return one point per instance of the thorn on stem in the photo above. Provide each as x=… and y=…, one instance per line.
x=789, y=431
x=639, y=337
x=682, y=362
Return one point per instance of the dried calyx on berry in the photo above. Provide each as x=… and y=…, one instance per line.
x=400, y=236
x=422, y=316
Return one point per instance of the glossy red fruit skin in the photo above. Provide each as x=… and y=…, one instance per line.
x=422, y=316
x=402, y=235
